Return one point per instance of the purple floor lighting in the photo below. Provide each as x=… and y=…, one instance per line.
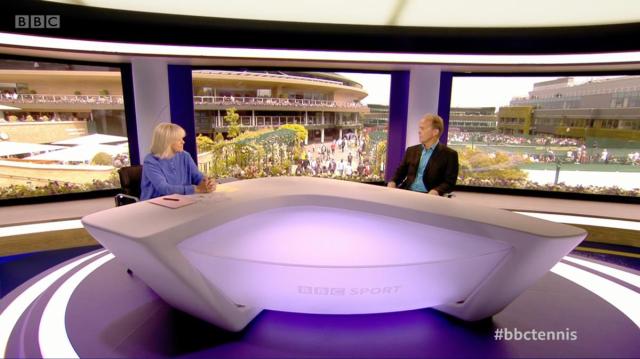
x=108, y=313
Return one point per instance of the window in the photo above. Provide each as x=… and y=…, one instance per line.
x=322, y=124
x=62, y=128
x=551, y=134
x=264, y=92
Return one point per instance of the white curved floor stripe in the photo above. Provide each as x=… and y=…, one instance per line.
x=623, y=298
x=40, y=227
x=52, y=333
x=10, y=316
x=54, y=341
x=590, y=221
x=627, y=277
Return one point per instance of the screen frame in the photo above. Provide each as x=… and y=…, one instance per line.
x=539, y=193
x=130, y=122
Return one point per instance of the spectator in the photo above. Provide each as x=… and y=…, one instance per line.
x=340, y=168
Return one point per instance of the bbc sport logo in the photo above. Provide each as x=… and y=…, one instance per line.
x=37, y=22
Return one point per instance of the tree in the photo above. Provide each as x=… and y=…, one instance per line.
x=380, y=156
x=204, y=143
x=475, y=164
x=301, y=132
x=232, y=119
x=102, y=159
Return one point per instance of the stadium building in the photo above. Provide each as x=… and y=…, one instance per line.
x=597, y=109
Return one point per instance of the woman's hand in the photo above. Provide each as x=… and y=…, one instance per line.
x=211, y=184
x=206, y=185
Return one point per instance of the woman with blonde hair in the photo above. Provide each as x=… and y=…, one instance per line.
x=168, y=169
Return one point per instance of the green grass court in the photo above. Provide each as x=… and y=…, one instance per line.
x=559, y=151
x=531, y=149
x=597, y=167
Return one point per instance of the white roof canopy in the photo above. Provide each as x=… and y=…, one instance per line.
x=81, y=153
x=8, y=148
x=92, y=139
x=8, y=108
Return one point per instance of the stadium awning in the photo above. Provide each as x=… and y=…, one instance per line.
x=8, y=108
x=81, y=153
x=92, y=139
x=8, y=148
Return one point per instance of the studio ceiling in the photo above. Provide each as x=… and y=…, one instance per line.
x=414, y=13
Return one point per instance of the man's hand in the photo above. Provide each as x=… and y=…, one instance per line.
x=391, y=184
x=434, y=192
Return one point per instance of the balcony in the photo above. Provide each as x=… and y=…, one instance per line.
x=219, y=102
x=62, y=99
x=37, y=102
x=248, y=122
x=271, y=102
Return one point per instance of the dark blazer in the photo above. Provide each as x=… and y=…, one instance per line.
x=441, y=172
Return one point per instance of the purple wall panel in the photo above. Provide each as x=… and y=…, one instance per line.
x=444, y=103
x=181, y=103
x=398, y=110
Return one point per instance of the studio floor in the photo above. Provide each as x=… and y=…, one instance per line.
x=77, y=300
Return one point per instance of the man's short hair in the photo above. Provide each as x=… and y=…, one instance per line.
x=436, y=121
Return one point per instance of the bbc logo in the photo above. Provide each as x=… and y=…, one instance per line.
x=37, y=21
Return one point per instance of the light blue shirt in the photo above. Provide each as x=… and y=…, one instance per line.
x=418, y=184
x=163, y=176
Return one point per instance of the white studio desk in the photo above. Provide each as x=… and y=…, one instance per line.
x=311, y=245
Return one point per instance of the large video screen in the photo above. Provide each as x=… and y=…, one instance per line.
x=286, y=123
x=62, y=128
x=568, y=134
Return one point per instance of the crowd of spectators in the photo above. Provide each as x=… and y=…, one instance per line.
x=39, y=117
x=9, y=95
x=121, y=160
x=560, y=187
x=345, y=158
x=577, y=151
x=14, y=97
x=582, y=155
x=503, y=139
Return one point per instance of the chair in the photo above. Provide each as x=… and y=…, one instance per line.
x=130, y=181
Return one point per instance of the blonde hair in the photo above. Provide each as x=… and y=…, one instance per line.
x=436, y=121
x=164, y=135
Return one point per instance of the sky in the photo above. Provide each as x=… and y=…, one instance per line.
x=498, y=91
x=378, y=86
x=490, y=91
x=466, y=91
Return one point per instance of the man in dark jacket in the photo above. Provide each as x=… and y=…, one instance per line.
x=430, y=167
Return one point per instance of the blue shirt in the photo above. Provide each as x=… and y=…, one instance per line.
x=418, y=184
x=163, y=176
